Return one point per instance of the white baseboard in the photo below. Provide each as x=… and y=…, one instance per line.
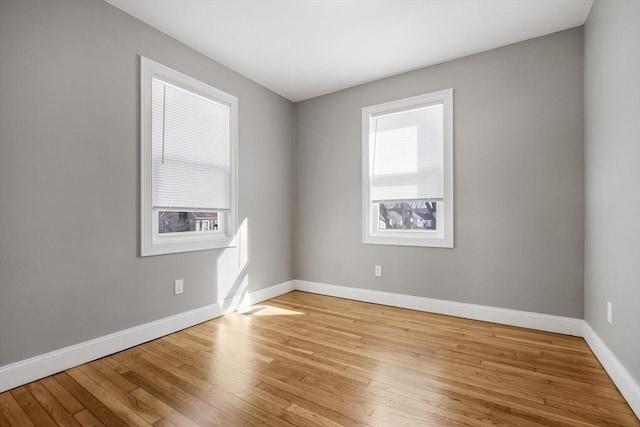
x=271, y=292
x=525, y=319
x=628, y=387
x=35, y=368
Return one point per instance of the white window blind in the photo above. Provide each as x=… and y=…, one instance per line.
x=408, y=155
x=191, y=150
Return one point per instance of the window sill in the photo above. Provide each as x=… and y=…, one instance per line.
x=178, y=247
x=420, y=241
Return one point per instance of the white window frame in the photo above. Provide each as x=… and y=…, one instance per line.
x=371, y=234
x=152, y=242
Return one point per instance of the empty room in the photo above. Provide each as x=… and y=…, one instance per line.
x=320, y=213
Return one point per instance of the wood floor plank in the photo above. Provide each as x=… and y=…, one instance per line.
x=87, y=419
x=12, y=411
x=123, y=394
x=32, y=408
x=166, y=412
x=66, y=399
x=173, y=393
x=272, y=404
x=112, y=375
x=91, y=402
x=125, y=411
x=307, y=407
x=4, y=421
x=51, y=405
x=310, y=360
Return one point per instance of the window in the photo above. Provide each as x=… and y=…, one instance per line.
x=407, y=164
x=188, y=162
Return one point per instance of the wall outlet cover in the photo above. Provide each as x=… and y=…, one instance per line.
x=178, y=286
x=378, y=270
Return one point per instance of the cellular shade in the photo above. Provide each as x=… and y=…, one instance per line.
x=408, y=155
x=191, y=156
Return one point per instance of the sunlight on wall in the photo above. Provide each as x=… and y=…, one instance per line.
x=233, y=280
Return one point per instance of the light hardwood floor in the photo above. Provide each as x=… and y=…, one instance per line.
x=311, y=360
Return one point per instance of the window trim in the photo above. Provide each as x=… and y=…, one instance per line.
x=151, y=242
x=408, y=237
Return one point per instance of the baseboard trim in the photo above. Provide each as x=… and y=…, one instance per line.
x=260, y=295
x=627, y=386
x=525, y=319
x=35, y=368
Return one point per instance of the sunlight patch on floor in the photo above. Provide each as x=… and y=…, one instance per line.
x=267, y=310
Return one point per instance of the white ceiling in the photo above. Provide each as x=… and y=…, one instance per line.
x=306, y=48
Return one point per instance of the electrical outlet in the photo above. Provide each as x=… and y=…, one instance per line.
x=378, y=271
x=609, y=312
x=178, y=286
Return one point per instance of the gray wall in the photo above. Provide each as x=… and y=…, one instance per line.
x=519, y=190
x=70, y=268
x=612, y=171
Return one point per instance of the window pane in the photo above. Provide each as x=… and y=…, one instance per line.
x=407, y=216
x=179, y=222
